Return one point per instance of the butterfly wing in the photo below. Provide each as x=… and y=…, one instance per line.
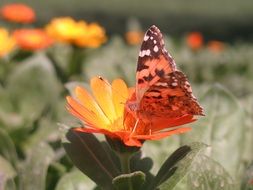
x=154, y=62
x=170, y=97
x=161, y=89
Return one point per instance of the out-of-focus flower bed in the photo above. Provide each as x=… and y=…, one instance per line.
x=40, y=66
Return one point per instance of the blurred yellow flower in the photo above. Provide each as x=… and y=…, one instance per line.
x=93, y=36
x=7, y=43
x=79, y=33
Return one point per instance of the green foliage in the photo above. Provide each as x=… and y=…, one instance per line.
x=176, y=166
x=132, y=181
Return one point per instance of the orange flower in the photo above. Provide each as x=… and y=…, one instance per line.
x=105, y=114
x=194, y=40
x=134, y=37
x=18, y=12
x=215, y=46
x=80, y=33
x=7, y=43
x=32, y=39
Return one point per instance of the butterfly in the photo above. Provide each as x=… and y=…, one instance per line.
x=162, y=92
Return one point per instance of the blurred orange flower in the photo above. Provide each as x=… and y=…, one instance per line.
x=79, y=33
x=215, y=46
x=7, y=43
x=194, y=40
x=17, y=12
x=32, y=39
x=105, y=114
x=134, y=37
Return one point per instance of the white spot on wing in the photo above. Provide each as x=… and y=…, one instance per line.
x=174, y=84
x=146, y=37
x=156, y=48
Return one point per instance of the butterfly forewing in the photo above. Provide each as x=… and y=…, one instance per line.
x=154, y=62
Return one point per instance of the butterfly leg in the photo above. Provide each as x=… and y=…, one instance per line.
x=135, y=126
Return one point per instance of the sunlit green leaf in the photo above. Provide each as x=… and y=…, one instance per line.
x=33, y=87
x=7, y=172
x=222, y=128
x=75, y=180
x=177, y=166
x=34, y=170
x=206, y=173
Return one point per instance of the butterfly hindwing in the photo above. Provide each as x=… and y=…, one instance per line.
x=170, y=97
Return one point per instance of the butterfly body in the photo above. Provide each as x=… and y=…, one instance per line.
x=162, y=92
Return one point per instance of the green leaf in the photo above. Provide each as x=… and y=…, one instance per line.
x=46, y=131
x=7, y=172
x=223, y=128
x=132, y=181
x=74, y=180
x=159, y=150
x=176, y=166
x=88, y=154
x=7, y=147
x=34, y=170
x=206, y=173
x=247, y=183
x=33, y=87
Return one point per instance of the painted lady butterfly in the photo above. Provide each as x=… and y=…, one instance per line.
x=162, y=91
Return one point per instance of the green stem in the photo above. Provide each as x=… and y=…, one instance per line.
x=76, y=61
x=125, y=167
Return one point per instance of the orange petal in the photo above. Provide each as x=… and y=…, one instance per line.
x=160, y=135
x=103, y=93
x=84, y=114
x=96, y=130
x=119, y=96
x=89, y=103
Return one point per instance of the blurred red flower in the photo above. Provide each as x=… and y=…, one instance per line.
x=194, y=40
x=32, y=39
x=215, y=46
x=17, y=12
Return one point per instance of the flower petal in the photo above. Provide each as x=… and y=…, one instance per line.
x=90, y=104
x=119, y=96
x=103, y=93
x=84, y=114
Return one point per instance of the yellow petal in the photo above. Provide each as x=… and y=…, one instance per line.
x=89, y=103
x=82, y=113
x=103, y=93
x=119, y=96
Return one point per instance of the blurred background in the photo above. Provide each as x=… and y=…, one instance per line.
x=224, y=20
x=211, y=42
